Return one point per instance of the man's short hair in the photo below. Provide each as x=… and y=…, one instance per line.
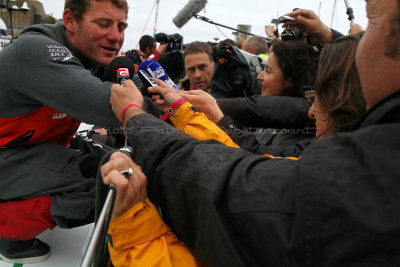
x=226, y=41
x=146, y=41
x=198, y=47
x=79, y=7
x=258, y=43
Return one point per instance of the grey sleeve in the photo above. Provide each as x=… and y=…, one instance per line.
x=46, y=73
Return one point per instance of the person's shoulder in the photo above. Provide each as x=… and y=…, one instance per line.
x=51, y=30
x=353, y=151
x=40, y=32
x=42, y=41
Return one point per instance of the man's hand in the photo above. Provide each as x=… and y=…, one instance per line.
x=240, y=42
x=168, y=93
x=205, y=103
x=355, y=28
x=123, y=95
x=131, y=189
x=270, y=31
x=307, y=21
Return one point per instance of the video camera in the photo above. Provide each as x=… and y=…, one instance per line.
x=174, y=41
x=235, y=73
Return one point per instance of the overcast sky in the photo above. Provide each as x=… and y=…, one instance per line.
x=256, y=13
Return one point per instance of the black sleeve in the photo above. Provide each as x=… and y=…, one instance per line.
x=246, y=140
x=335, y=35
x=268, y=111
x=219, y=200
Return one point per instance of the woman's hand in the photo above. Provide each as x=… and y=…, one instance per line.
x=205, y=103
x=168, y=93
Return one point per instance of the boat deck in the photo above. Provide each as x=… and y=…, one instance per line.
x=68, y=246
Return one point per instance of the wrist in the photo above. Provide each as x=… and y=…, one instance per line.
x=173, y=108
x=216, y=117
x=325, y=37
x=131, y=112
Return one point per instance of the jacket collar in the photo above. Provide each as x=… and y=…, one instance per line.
x=385, y=111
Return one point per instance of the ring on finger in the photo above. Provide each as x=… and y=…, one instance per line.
x=127, y=172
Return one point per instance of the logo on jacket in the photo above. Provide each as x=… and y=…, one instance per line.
x=58, y=116
x=59, y=52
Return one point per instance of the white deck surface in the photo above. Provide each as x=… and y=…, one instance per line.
x=68, y=247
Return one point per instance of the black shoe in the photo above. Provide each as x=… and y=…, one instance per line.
x=17, y=251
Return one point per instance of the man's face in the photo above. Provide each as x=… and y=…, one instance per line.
x=199, y=69
x=379, y=74
x=149, y=51
x=100, y=34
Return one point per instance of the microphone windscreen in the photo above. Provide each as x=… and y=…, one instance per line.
x=110, y=73
x=188, y=11
x=153, y=69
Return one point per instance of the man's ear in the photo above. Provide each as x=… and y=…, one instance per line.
x=69, y=20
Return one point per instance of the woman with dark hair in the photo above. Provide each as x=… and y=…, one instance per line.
x=340, y=101
x=290, y=67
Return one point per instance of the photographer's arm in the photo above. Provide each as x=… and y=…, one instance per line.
x=307, y=21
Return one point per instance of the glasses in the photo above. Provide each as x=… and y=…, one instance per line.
x=309, y=94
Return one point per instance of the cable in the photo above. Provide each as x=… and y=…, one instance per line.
x=145, y=25
x=221, y=32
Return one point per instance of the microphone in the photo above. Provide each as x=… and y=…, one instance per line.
x=122, y=75
x=349, y=10
x=152, y=69
x=188, y=11
x=111, y=71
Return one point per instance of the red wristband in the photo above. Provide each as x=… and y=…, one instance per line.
x=125, y=109
x=172, y=108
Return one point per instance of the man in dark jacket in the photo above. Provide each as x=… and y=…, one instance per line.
x=336, y=206
x=46, y=89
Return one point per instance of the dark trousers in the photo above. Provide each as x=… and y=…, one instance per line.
x=65, y=177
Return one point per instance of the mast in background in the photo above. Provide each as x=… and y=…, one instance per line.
x=156, y=19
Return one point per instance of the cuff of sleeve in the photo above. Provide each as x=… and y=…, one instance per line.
x=183, y=115
x=140, y=224
x=335, y=35
x=226, y=123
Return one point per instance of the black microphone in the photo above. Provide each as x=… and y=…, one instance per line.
x=111, y=71
x=349, y=10
x=188, y=11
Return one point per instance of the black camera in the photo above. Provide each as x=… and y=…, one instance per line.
x=174, y=41
x=288, y=34
x=285, y=19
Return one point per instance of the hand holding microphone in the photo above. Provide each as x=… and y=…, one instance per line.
x=124, y=95
x=150, y=69
x=163, y=95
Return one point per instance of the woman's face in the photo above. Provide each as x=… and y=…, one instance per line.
x=271, y=78
x=322, y=120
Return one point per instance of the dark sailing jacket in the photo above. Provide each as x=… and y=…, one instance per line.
x=338, y=205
